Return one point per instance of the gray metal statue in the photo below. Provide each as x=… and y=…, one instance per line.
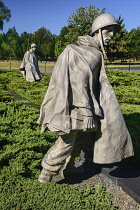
x=80, y=99
x=30, y=66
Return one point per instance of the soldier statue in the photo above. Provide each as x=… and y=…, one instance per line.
x=29, y=66
x=80, y=99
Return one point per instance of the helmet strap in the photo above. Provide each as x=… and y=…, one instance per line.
x=101, y=44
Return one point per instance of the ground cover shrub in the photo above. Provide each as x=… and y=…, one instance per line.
x=22, y=149
x=127, y=88
x=4, y=94
x=128, y=94
x=33, y=92
x=120, y=77
x=126, y=85
x=20, y=133
x=131, y=115
x=28, y=194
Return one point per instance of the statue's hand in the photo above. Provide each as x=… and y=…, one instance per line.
x=88, y=123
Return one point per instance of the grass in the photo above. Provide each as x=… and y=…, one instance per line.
x=121, y=65
x=14, y=64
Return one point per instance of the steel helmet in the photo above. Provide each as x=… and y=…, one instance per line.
x=103, y=20
x=33, y=45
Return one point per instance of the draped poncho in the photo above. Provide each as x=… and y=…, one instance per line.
x=32, y=72
x=79, y=79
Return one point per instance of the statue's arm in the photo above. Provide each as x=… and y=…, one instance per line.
x=88, y=118
x=28, y=59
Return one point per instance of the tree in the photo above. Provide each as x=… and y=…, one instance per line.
x=5, y=14
x=81, y=21
x=133, y=42
x=45, y=41
x=79, y=24
x=5, y=51
x=118, y=46
x=61, y=41
x=13, y=40
x=25, y=40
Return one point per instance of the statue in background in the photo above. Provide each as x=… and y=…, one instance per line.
x=80, y=99
x=29, y=66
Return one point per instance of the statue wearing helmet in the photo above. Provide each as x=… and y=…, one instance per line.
x=33, y=45
x=30, y=65
x=80, y=99
x=104, y=20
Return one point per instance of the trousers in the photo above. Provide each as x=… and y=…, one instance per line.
x=66, y=148
x=60, y=154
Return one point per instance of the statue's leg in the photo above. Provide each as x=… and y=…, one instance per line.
x=83, y=149
x=70, y=166
x=56, y=156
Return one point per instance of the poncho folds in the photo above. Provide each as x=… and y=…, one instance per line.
x=79, y=79
x=32, y=72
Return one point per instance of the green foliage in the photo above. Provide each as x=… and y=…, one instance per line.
x=5, y=50
x=126, y=85
x=12, y=39
x=5, y=14
x=45, y=42
x=33, y=92
x=13, y=45
x=26, y=39
x=20, y=193
x=123, y=45
x=131, y=115
x=22, y=144
x=4, y=94
x=118, y=45
x=10, y=47
x=79, y=24
x=127, y=88
x=22, y=149
x=133, y=43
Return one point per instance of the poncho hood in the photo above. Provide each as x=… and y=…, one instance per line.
x=87, y=41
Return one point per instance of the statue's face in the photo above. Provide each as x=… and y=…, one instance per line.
x=33, y=49
x=107, y=34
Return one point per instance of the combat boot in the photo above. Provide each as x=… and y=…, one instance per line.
x=45, y=176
